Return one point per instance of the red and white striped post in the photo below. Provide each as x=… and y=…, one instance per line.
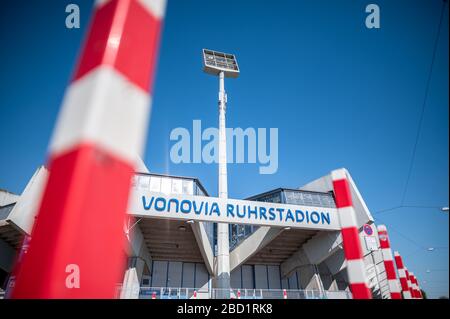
x=402, y=275
x=419, y=290
x=77, y=246
x=415, y=286
x=356, y=271
x=385, y=245
x=410, y=286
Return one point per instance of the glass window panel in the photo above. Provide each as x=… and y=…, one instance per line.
x=166, y=185
x=198, y=190
x=144, y=182
x=155, y=184
x=188, y=187
x=177, y=186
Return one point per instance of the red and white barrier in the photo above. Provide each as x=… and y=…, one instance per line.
x=153, y=295
x=285, y=294
x=410, y=286
x=238, y=294
x=357, y=277
x=419, y=290
x=195, y=294
x=385, y=245
x=402, y=275
x=415, y=286
x=78, y=243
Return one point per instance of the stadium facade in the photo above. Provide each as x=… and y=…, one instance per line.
x=177, y=258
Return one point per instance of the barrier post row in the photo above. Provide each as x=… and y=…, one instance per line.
x=357, y=277
x=402, y=275
x=385, y=245
x=78, y=242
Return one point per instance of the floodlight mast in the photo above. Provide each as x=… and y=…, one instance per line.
x=222, y=64
x=223, y=245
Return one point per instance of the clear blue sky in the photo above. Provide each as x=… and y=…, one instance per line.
x=340, y=94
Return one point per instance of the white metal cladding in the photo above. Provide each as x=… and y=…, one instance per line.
x=261, y=277
x=247, y=276
x=188, y=275
x=174, y=275
x=293, y=281
x=266, y=276
x=236, y=278
x=221, y=210
x=178, y=274
x=273, y=277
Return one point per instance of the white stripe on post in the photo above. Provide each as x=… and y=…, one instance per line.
x=105, y=109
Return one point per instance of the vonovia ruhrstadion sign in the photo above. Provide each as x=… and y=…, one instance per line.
x=222, y=210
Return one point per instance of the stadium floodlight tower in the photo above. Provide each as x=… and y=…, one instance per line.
x=223, y=65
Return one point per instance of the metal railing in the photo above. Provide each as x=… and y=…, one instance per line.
x=216, y=293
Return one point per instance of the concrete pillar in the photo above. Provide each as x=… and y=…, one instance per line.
x=326, y=277
x=309, y=278
x=132, y=278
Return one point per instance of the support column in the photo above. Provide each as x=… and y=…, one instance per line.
x=223, y=244
x=132, y=278
x=310, y=278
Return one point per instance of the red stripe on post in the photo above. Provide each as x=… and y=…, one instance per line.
x=399, y=262
x=408, y=278
x=396, y=295
x=390, y=269
x=123, y=35
x=342, y=194
x=404, y=283
x=80, y=219
x=360, y=291
x=350, y=241
x=385, y=242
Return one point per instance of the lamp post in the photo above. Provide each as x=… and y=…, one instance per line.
x=222, y=65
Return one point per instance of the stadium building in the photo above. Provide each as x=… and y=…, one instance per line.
x=177, y=258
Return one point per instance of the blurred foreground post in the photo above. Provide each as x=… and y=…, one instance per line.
x=77, y=247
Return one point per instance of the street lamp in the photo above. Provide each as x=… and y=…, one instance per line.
x=445, y=209
x=223, y=65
